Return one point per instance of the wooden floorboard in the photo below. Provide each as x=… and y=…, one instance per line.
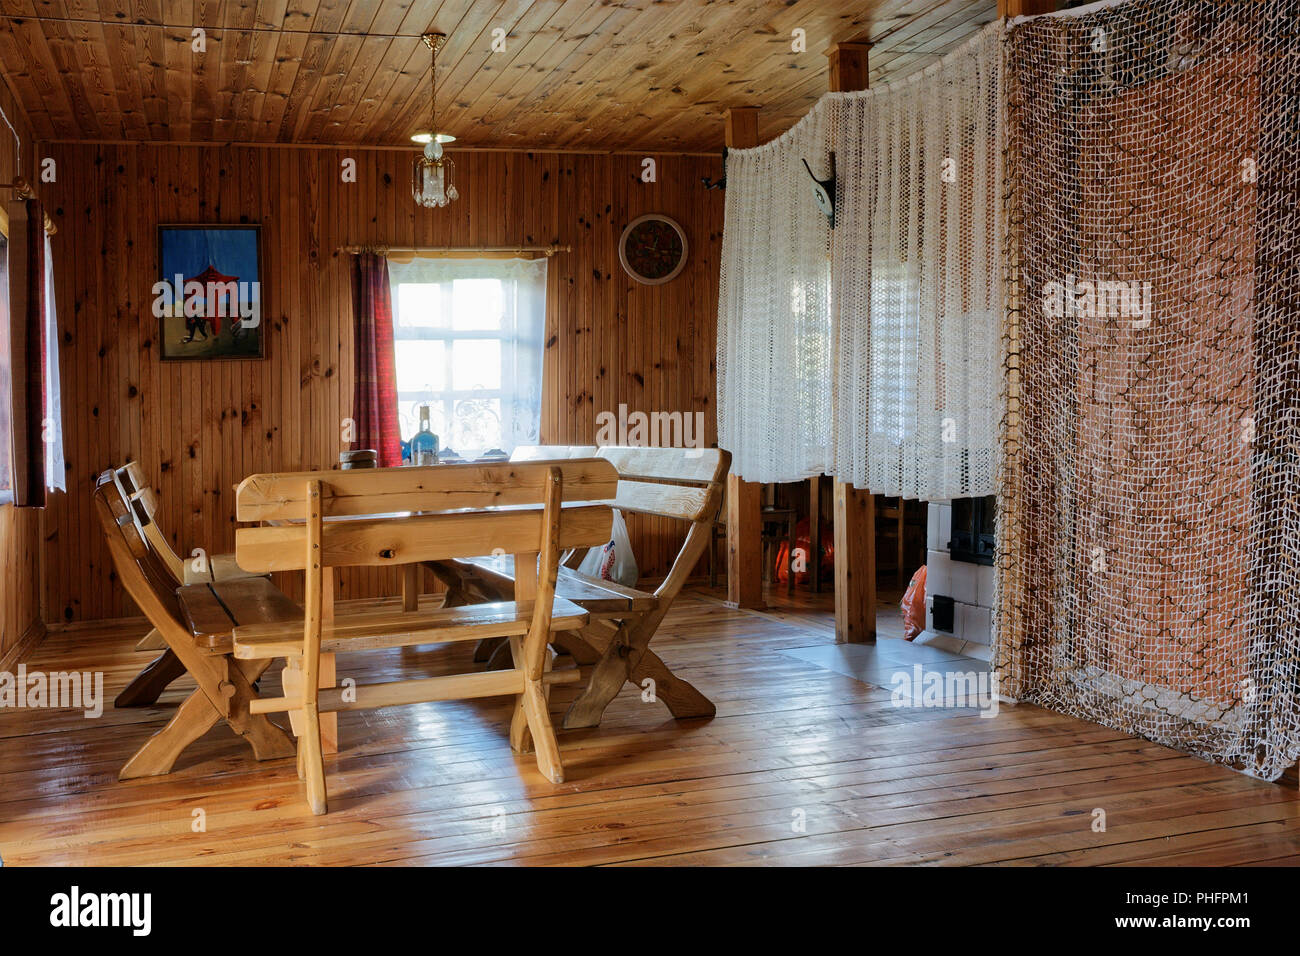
x=801, y=766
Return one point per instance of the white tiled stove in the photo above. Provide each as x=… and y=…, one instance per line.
x=969, y=585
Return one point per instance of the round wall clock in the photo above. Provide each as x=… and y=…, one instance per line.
x=653, y=249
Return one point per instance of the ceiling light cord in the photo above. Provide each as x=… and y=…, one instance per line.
x=18, y=145
x=433, y=90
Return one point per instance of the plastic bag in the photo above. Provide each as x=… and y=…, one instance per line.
x=913, y=605
x=803, y=548
x=613, y=561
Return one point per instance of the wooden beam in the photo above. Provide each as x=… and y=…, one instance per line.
x=848, y=63
x=855, y=509
x=742, y=127
x=744, y=529
x=1025, y=8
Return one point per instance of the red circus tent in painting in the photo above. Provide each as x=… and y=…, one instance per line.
x=206, y=278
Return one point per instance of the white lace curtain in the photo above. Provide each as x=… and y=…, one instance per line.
x=468, y=336
x=52, y=413
x=56, y=478
x=870, y=352
x=917, y=281
x=774, y=331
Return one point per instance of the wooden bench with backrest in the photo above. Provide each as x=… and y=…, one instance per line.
x=402, y=516
x=199, y=569
x=225, y=686
x=679, y=483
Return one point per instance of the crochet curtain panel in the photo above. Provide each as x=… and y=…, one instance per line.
x=869, y=351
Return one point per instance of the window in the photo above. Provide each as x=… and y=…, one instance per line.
x=467, y=337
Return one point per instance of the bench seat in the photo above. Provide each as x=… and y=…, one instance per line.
x=212, y=611
x=221, y=567
x=374, y=630
x=598, y=597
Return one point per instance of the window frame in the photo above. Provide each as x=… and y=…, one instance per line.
x=446, y=399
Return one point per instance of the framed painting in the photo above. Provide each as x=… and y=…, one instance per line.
x=209, y=298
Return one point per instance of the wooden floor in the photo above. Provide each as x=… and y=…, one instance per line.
x=802, y=765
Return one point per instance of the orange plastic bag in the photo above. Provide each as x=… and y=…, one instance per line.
x=803, y=547
x=913, y=605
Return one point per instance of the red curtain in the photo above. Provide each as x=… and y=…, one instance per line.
x=374, y=402
x=27, y=350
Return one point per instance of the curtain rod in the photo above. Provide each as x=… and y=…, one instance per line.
x=453, y=250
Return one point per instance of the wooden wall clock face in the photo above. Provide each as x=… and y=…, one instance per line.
x=653, y=249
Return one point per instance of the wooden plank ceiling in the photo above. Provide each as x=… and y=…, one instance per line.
x=575, y=74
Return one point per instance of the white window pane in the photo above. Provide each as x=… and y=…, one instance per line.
x=421, y=365
x=477, y=304
x=476, y=363
x=477, y=426
x=419, y=306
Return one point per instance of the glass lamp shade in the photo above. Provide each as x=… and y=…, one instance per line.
x=431, y=182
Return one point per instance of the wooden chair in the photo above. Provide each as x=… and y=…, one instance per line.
x=225, y=686
x=682, y=484
x=213, y=567
x=401, y=516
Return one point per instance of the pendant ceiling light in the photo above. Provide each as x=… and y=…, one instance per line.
x=431, y=177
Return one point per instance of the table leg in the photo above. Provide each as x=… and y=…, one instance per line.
x=410, y=587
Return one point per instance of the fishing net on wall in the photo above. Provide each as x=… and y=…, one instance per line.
x=918, y=279
x=1149, y=503
x=870, y=352
x=774, y=344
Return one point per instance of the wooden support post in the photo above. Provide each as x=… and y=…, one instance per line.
x=855, y=509
x=742, y=127
x=744, y=544
x=815, y=532
x=855, y=565
x=848, y=66
x=744, y=529
x=1025, y=8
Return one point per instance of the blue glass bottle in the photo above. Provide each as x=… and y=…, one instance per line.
x=424, y=443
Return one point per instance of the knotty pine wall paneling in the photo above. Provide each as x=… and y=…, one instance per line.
x=20, y=528
x=200, y=427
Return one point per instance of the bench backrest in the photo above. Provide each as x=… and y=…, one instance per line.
x=400, y=516
x=144, y=505
x=683, y=483
x=141, y=569
x=408, y=515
